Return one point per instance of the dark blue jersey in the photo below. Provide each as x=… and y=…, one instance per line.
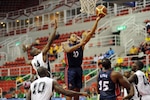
x=106, y=85
x=75, y=57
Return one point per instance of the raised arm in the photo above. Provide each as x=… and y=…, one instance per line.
x=58, y=88
x=28, y=95
x=68, y=49
x=90, y=34
x=130, y=94
x=118, y=78
x=133, y=79
x=50, y=40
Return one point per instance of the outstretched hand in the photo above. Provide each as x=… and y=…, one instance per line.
x=85, y=94
x=99, y=17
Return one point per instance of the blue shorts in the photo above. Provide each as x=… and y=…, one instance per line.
x=75, y=78
x=113, y=98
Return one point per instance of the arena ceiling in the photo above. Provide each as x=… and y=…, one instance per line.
x=12, y=5
x=119, y=1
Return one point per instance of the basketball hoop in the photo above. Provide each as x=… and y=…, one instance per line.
x=88, y=6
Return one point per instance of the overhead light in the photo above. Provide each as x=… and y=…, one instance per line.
x=57, y=12
x=17, y=21
x=3, y=25
x=37, y=16
x=27, y=21
x=2, y=22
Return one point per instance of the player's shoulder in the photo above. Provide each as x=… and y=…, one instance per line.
x=47, y=79
x=116, y=74
x=139, y=72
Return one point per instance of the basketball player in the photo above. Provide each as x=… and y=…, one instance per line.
x=140, y=82
x=107, y=81
x=74, y=49
x=40, y=56
x=43, y=87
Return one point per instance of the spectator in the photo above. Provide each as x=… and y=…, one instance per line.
x=60, y=49
x=95, y=59
x=133, y=51
x=51, y=51
x=106, y=55
x=142, y=47
x=147, y=26
x=110, y=52
x=119, y=61
x=147, y=39
x=19, y=79
x=101, y=56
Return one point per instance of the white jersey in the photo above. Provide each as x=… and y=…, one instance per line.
x=38, y=62
x=136, y=96
x=143, y=85
x=41, y=89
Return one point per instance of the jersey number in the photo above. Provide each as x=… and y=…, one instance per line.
x=103, y=85
x=39, y=87
x=75, y=54
x=37, y=64
x=145, y=80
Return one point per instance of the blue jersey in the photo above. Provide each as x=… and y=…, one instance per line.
x=75, y=57
x=106, y=86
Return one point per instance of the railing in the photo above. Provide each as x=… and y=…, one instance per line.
x=104, y=41
x=85, y=78
x=4, y=42
x=128, y=45
x=18, y=83
x=13, y=49
x=3, y=56
x=130, y=59
x=15, y=71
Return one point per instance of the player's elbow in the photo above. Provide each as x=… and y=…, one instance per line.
x=67, y=50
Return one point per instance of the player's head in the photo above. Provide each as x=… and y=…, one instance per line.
x=43, y=72
x=138, y=65
x=73, y=38
x=34, y=51
x=106, y=63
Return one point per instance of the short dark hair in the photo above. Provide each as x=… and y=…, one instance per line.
x=106, y=63
x=33, y=51
x=42, y=72
x=139, y=64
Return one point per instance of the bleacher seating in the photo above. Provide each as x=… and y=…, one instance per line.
x=15, y=68
x=6, y=85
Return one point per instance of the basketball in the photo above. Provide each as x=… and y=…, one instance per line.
x=101, y=10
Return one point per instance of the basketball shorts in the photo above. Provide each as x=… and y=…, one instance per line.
x=75, y=78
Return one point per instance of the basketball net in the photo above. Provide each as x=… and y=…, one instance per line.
x=88, y=6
